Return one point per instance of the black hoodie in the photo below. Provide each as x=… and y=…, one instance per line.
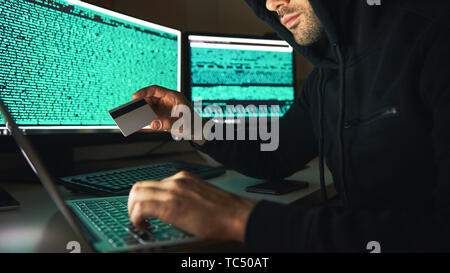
x=379, y=97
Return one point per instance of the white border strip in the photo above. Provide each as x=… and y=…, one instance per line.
x=57, y=127
x=124, y=17
x=198, y=38
x=179, y=63
x=242, y=47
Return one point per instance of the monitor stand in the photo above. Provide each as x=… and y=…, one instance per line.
x=57, y=158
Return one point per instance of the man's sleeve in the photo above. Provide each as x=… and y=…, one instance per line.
x=297, y=146
x=275, y=227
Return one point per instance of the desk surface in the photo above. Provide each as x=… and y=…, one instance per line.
x=37, y=226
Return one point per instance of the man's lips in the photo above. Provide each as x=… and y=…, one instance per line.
x=290, y=21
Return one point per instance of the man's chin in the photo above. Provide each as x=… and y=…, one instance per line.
x=304, y=42
x=300, y=39
x=308, y=41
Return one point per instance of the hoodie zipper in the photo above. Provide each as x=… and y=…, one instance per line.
x=383, y=113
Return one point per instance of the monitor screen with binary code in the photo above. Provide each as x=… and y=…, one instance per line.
x=65, y=63
x=247, y=72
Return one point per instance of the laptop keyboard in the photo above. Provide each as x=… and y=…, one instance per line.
x=110, y=217
x=120, y=181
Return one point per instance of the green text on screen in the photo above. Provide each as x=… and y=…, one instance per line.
x=67, y=64
x=233, y=71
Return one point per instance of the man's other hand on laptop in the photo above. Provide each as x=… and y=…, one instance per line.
x=191, y=204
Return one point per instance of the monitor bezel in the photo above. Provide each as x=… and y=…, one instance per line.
x=187, y=79
x=57, y=141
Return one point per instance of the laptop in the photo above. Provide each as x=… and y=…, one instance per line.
x=103, y=222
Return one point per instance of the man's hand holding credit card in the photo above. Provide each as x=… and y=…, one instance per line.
x=133, y=116
x=153, y=106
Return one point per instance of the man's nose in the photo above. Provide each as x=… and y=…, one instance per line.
x=274, y=5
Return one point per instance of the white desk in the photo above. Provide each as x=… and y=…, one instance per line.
x=39, y=227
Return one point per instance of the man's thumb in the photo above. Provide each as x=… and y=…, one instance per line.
x=162, y=124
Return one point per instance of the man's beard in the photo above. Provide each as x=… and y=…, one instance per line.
x=309, y=30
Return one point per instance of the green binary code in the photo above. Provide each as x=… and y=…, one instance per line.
x=224, y=76
x=66, y=65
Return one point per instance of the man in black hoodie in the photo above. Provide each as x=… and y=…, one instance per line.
x=376, y=106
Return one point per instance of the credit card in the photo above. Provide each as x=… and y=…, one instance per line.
x=133, y=116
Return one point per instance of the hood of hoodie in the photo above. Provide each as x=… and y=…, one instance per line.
x=352, y=24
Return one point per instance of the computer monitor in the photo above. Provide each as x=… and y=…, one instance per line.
x=65, y=63
x=240, y=71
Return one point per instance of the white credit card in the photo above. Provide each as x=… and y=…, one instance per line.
x=133, y=116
